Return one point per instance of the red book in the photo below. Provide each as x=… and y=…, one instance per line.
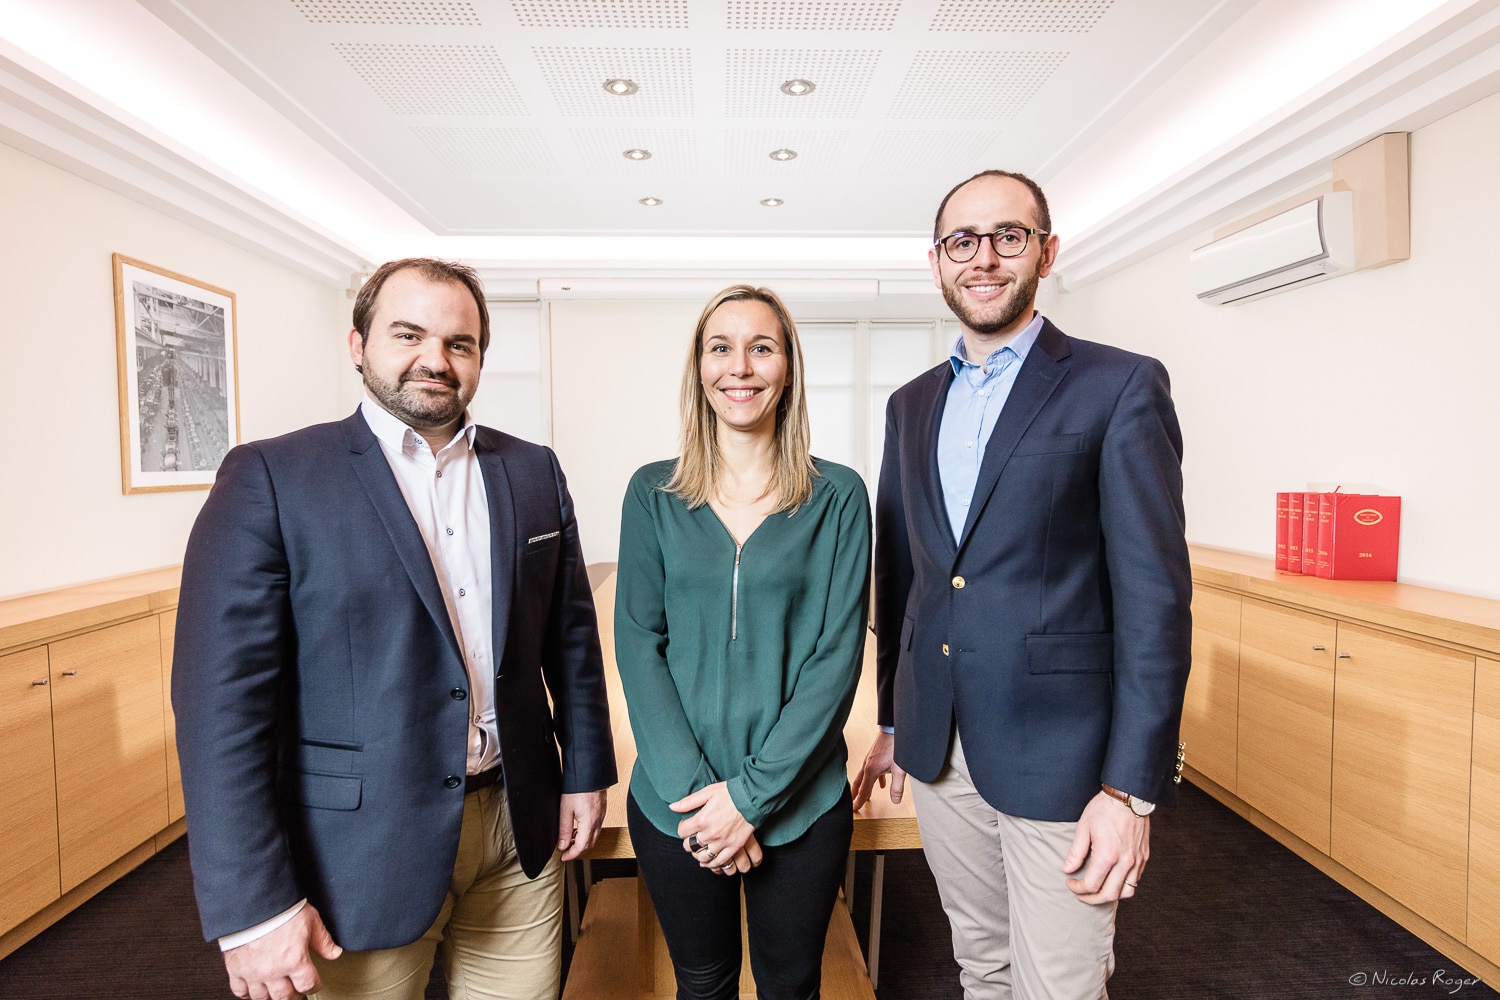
x=1324, y=561
x=1294, y=533
x=1366, y=537
x=1281, y=511
x=1310, y=534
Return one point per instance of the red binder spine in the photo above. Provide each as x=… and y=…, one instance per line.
x=1294, y=532
x=1325, y=535
x=1310, y=534
x=1282, y=500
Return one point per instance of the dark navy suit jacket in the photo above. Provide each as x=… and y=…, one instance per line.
x=322, y=704
x=1056, y=631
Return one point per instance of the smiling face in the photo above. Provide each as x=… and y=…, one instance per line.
x=743, y=366
x=421, y=359
x=992, y=296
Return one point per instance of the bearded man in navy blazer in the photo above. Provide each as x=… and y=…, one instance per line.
x=1031, y=604
x=390, y=698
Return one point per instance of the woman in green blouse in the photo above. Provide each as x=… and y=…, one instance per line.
x=739, y=632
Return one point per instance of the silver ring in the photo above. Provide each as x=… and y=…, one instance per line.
x=1133, y=885
x=727, y=869
x=693, y=844
x=711, y=855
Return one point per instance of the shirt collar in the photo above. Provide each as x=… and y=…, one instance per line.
x=1020, y=347
x=398, y=436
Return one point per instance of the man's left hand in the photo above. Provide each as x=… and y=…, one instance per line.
x=578, y=822
x=1116, y=843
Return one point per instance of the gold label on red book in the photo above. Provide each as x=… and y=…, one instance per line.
x=1368, y=516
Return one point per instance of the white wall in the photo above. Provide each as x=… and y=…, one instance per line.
x=1385, y=377
x=65, y=518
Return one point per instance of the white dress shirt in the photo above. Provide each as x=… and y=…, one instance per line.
x=446, y=496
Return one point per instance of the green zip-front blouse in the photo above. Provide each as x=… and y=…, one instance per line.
x=740, y=662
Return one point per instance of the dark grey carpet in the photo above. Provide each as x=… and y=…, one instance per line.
x=1226, y=913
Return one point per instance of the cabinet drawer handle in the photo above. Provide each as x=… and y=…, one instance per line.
x=1344, y=656
x=70, y=673
x=1319, y=649
x=39, y=684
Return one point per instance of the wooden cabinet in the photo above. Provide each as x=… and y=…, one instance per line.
x=175, y=810
x=1211, y=705
x=28, y=818
x=1484, y=816
x=1404, y=715
x=111, y=753
x=1286, y=717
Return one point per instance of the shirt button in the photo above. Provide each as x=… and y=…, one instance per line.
x=440, y=475
x=958, y=583
x=968, y=444
x=966, y=501
x=459, y=694
x=452, y=781
x=450, y=531
x=462, y=592
x=945, y=649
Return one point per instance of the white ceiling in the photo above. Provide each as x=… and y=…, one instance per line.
x=330, y=133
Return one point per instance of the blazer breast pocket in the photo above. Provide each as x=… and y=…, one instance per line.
x=1049, y=444
x=1077, y=653
x=543, y=542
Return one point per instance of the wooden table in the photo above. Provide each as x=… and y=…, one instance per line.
x=613, y=940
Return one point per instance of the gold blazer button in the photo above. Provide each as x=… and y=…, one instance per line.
x=958, y=583
x=945, y=649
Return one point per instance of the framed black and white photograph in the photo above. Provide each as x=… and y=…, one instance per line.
x=179, y=379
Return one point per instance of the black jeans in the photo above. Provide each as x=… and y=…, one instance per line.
x=788, y=901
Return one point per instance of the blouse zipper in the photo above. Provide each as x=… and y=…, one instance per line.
x=734, y=599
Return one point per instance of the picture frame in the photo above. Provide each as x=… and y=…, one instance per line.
x=177, y=350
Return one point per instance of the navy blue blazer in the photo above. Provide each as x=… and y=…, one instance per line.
x=322, y=704
x=1056, y=632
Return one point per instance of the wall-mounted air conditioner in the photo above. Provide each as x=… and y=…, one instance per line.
x=1297, y=247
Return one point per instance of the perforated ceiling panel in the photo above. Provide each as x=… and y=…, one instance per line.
x=436, y=79
x=1020, y=16
x=453, y=13
x=972, y=84
x=747, y=153
x=627, y=14
x=489, y=151
x=930, y=154
x=673, y=151
x=576, y=78
x=754, y=78
x=813, y=15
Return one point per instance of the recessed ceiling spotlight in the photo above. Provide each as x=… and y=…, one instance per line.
x=650, y=202
x=782, y=155
x=772, y=202
x=797, y=88
x=637, y=154
x=621, y=88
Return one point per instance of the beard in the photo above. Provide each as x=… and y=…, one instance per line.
x=1018, y=299
x=419, y=407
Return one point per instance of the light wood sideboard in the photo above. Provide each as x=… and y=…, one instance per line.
x=1358, y=723
x=90, y=786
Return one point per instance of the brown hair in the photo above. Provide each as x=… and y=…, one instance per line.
x=433, y=270
x=695, y=477
x=1044, y=216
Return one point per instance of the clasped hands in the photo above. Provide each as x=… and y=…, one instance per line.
x=716, y=835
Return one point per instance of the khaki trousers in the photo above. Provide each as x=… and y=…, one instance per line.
x=499, y=933
x=1019, y=933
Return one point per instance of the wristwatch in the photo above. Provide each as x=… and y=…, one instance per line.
x=1138, y=806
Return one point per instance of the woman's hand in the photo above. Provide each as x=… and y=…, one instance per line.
x=716, y=834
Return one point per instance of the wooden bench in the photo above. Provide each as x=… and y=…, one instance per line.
x=620, y=952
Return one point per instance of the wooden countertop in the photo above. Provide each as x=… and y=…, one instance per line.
x=1459, y=619
x=50, y=614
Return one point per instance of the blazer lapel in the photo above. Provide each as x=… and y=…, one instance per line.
x=932, y=414
x=379, y=481
x=1039, y=376
x=505, y=561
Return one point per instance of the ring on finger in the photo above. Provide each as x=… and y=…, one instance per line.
x=728, y=869
x=694, y=844
x=1133, y=885
x=710, y=855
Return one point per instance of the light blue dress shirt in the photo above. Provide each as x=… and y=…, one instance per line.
x=975, y=399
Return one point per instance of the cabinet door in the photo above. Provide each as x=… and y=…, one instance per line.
x=1286, y=717
x=111, y=754
x=1210, y=708
x=1484, y=821
x=175, y=812
x=28, y=794
x=1404, y=714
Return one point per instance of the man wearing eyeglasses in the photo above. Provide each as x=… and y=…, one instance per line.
x=1031, y=605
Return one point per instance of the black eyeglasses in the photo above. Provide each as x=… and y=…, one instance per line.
x=1008, y=242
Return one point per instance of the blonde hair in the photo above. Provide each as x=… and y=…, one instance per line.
x=695, y=478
